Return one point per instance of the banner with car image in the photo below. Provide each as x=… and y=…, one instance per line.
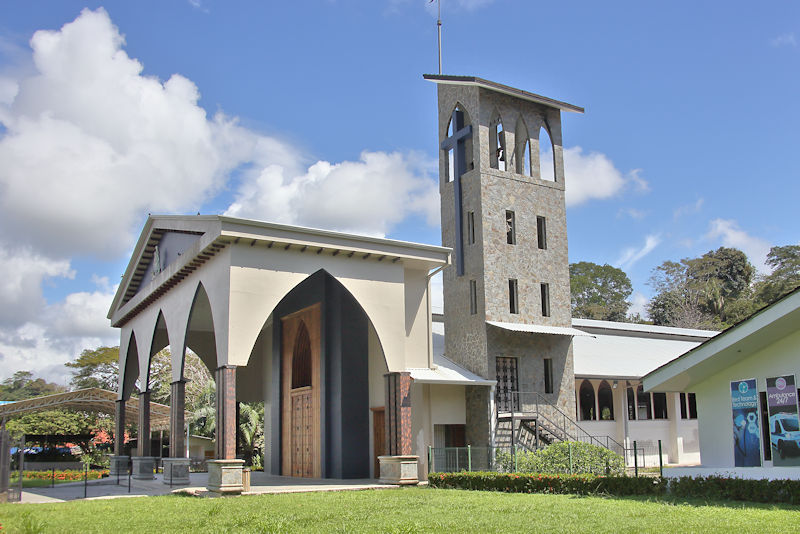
x=746, y=433
x=784, y=424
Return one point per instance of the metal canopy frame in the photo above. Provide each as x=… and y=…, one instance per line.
x=89, y=400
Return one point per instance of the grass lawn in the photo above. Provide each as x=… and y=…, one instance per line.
x=405, y=510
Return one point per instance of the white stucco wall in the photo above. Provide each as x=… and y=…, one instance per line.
x=714, y=398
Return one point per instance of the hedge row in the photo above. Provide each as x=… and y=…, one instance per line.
x=716, y=488
x=584, y=484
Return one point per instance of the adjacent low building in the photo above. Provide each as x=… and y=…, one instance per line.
x=745, y=382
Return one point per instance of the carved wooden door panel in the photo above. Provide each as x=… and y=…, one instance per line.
x=300, y=394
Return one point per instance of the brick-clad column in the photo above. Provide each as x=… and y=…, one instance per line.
x=143, y=446
x=119, y=428
x=226, y=412
x=398, y=413
x=177, y=423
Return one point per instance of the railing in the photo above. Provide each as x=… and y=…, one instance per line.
x=640, y=460
x=551, y=420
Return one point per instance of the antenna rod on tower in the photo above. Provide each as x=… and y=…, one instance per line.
x=439, y=27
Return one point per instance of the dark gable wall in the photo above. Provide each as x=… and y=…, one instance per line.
x=344, y=417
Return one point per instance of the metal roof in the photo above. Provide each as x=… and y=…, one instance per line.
x=88, y=400
x=539, y=329
x=500, y=88
x=446, y=372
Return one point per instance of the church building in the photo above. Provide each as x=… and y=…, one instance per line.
x=334, y=332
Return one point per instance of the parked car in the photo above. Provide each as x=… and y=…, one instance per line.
x=784, y=433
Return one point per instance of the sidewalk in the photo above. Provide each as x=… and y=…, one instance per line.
x=260, y=483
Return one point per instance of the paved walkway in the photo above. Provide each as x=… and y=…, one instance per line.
x=108, y=488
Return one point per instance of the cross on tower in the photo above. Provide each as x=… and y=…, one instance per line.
x=457, y=142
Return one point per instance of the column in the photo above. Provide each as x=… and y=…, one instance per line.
x=143, y=446
x=398, y=414
x=225, y=378
x=143, y=464
x=177, y=419
x=119, y=428
x=225, y=473
x=399, y=466
x=119, y=463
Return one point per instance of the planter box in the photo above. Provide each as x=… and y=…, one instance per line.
x=399, y=470
x=176, y=471
x=225, y=476
x=143, y=467
x=119, y=466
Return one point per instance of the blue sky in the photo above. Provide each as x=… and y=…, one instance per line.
x=316, y=113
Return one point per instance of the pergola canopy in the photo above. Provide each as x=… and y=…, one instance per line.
x=88, y=400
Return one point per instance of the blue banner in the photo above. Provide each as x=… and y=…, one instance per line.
x=784, y=426
x=746, y=434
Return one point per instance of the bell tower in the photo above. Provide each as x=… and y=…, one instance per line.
x=506, y=295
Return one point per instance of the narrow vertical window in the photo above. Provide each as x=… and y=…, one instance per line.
x=511, y=231
x=473, y=297
x=548, y=375
x=683, y=406
x=451, y=165
x=692, y=401
x=470, y=227
x=545, y=300
x=541, y=232
x=512, y=296
x=497, y=148
x=660, y=406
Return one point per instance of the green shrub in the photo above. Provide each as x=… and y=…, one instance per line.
x=584, y=484
x=586, y=458
x=736, y=489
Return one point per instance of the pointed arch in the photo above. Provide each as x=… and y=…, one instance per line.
x=130, y=372
x=497, y=143
x=522, y=149
x=547, y=162
x=449, y=156
x=301, y=358
x=201, y=331
x=605, y=401
x=586, y=401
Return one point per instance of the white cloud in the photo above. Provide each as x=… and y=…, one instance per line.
x=594, y=176
x=785, y=39
x=639, y=304
x=631, y=255
x=437, y=293
x=91, y=144
x=633, y=213
x=368, y=196
x=687, y=209
x=729, y=233
x=21, y=275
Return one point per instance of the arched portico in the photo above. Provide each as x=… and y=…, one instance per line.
x=231, y=280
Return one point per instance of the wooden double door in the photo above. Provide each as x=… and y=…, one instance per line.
x=300, y=393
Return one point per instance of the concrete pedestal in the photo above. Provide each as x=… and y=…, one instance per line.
x=143, y=467
x=119, y=466
x=176, y=471
x=399, y=469
x=225, y=476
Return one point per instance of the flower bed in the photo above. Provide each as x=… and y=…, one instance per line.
x=68, y=475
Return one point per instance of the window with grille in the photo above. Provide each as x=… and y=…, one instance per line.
x=507, y=385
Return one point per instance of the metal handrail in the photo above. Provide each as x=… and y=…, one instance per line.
x=566, y=421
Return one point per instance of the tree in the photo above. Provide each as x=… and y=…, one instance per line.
x=785, y=275
x=701, y=292
x=98, y=368
x=23, y=386
x=599, y=291
x=251, y=429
